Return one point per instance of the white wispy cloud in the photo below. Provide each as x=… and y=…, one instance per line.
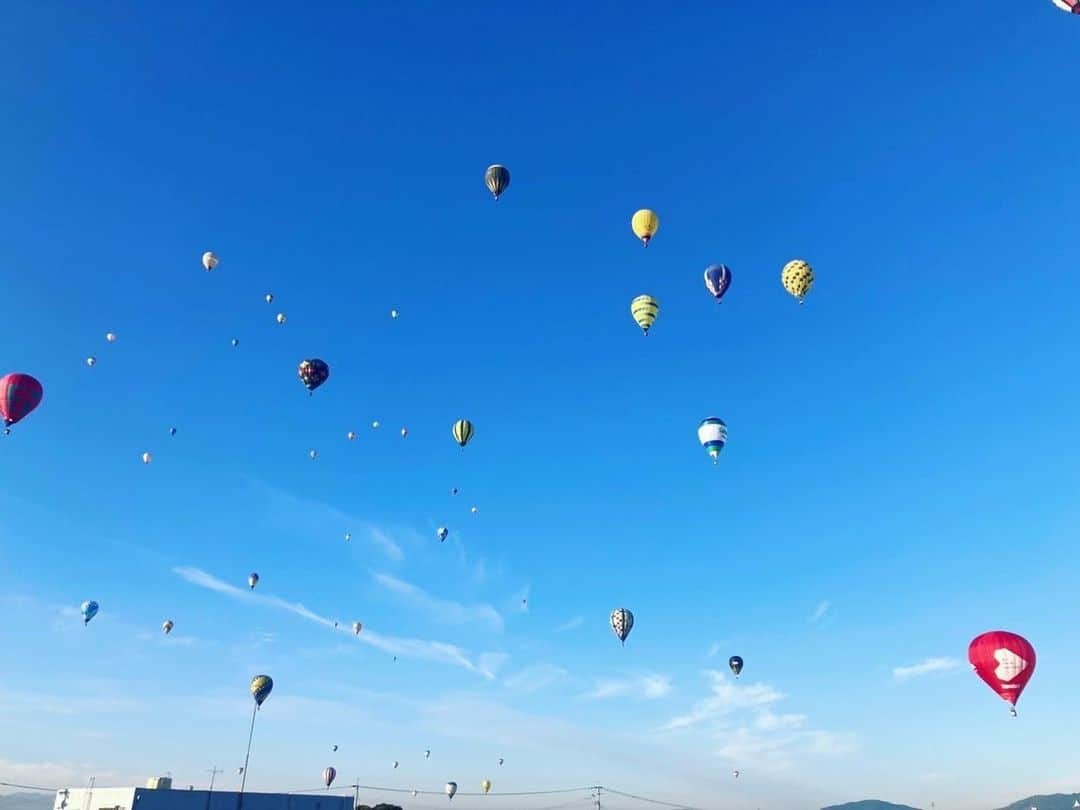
x=572, y=624
x=444, y=610
x=327, y=519
x=535, y=678
x=646, y=686
x=820, y=611
x=420, y=649
x=748, y=729
x=925, y=668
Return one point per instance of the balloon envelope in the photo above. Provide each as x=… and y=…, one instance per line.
x=622, y=622
x=645, y=223
x=313, y=373
x=736, y=664
x=717, y=280
x=463, y=431
x=451, y=789
x=19, y=395
x=261, y=687
x=1005, y=661
x=89, y=610
x=645, y=308
x=328, y=776
x=497, y=179
x=712, y=433
x=797, y=278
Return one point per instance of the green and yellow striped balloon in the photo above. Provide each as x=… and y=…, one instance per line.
x=463, y=432
x=645, y=308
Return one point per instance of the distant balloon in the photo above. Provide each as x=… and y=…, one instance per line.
x=453, y=490
x=281, y=317
x=269, y=298
x=443, y=533
x=1073, y=7
x=172, y=431
x=717, y=280
x=394, y=314
x=357, y=627
x=351, y=435
x=413, y=794
x=736, y=664
x=235, y=342
x=89, y=610
x=110, y=337
x=645, y=224
x=20, y=394
x=375, y=425
x=167, y=626
x=147, y=458
x=797, y=278
x=475, y=511
x=451, y=789
x=645, y=308
x=313, y=373
x=497, y=179
x=735, y=774
x=328, y=777
x=427, y=754
x=485, y=785
x=1005, y=661
x=404, y=432
x=622, y=622
x=348, y=536
x=712, y=433
x=314, y=454
x=91, y=361
x=253, y=580
x=463, y=432
x=333, y=748
x=261, y=687
x=209, y=260
x=396, y=763
x=501, y=760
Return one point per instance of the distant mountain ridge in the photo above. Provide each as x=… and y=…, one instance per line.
x=1049, y=801
x=872, y=804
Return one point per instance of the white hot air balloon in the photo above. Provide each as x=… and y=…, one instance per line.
x=451, y=789
x=147, y=458
x=110, y=337
x=356, y=628
x=394, y=314
x=91, y=361
x=442, y=533
x=348, y=536
x=167, y=626
x=269, y=298
x=314, y=454
x=404, y=432
x=351, y=435
x=281, y=317
x=235, y=342
x=209, y=260
x=375, y=425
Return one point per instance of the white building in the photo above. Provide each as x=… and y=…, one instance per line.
x=158, y=795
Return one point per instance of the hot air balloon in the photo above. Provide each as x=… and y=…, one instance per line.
x=394, y=314
x=396, y=763
x=413, y=794
x=717, y=280
x=427, y=754
x=501, y=760
x=328, y=776
x=351, y=435
x=645, y=308
x=797, y=278
x=404, y=432
x=209, y=260
x=314, y=454
x=269, y=298
x=253, y=580
x=313, y=373
x=348, y=536
x=20, y=394
x=110, y=337
x=333, y=748
x=736, y=664
x=235, y=342
x=375, y=425
x=453, y=490
x=1005, y=661
x=356, y=628
x=172, y=431
x=712, y=433
x=443, y=533
x=645, y=224
x=261, y=687
x=451, y=789
x=89, y=610
x=485, y=785
x=1073, y=7
x=167, y=626
x=497, y=179
x=735, y=774
x=622, y=622
x=91, y=361
x=281, y=317
x=463, y=432
x=474, y=510
x=147, y=458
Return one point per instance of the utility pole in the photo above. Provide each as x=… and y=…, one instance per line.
x=213, y=775
x=356, y=794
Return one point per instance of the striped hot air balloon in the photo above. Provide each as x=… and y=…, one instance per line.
x=328, y=776
x=497, y=179
x=622, y=622
x=712, y=433
x=19, y=395
x=463, y=432
x=645, y=308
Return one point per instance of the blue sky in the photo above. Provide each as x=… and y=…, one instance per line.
x=900, y=474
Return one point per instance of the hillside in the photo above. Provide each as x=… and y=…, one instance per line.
x=871, y=804
x=1052, y=801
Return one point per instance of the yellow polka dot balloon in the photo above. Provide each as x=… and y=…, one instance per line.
x=797, y=278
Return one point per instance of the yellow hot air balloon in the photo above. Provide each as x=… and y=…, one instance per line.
x=261, y=686
x=485, y=785
x=645, y=224
x=463, y=432
x=797, y=277
x=644, y=308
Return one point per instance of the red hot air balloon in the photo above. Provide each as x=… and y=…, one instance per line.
x=19, y=395
x=1005, y=661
